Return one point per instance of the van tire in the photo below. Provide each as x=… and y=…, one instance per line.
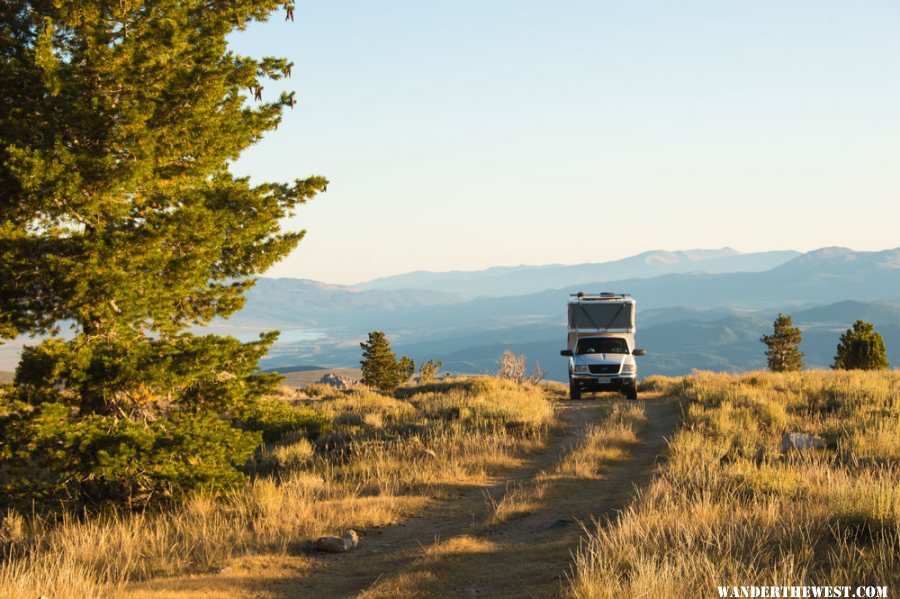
x=631, y=394
x=574, y=392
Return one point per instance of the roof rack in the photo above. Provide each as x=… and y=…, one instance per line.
x=581, y=296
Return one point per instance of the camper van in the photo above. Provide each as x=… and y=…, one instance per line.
x=600, y=344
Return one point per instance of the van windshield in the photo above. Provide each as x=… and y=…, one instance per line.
x=601, y=345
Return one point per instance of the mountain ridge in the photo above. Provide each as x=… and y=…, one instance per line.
x=686, y=320
x=820, y=278
x=517, y=280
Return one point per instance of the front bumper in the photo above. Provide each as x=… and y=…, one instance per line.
x=591, y=382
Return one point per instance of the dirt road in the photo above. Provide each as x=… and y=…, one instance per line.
x=454, y=550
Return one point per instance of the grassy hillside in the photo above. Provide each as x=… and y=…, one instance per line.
x=476, y=485
x=729, y=507
x=384, y=459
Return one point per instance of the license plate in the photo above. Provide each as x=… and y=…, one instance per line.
x=603, y=380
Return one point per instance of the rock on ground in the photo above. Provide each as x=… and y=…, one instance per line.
x=336, y=381
x=348, y=542
x=797, y=441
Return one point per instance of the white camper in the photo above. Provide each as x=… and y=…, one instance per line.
x=600, y=344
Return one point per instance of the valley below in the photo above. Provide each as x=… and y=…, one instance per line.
x=695, y=311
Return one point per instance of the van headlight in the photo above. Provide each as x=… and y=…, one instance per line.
x=629, y=368
x=582, y=368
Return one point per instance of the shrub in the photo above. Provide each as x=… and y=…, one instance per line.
x=53, y=456
x=512, y=367
x=134, y=420
x=318, y=390
x=429, y=370
x=273, y=417
x=292, y=456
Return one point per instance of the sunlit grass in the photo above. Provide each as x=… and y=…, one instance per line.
x=601, y=445
x=383, y=461
x=729, y=508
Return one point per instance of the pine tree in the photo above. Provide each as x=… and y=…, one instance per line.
x=117, y=208
x=783, y=354
x=861, y=347
x=380, y=368
x=118, y=214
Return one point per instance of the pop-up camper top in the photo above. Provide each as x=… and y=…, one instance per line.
x=600, y=344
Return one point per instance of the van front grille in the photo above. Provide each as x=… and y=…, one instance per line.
x=604, y=368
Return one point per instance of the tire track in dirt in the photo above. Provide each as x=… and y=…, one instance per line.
x=526, y=556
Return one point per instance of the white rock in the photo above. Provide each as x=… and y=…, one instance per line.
x=351, y=540
x=336, y=381
x=799, y=441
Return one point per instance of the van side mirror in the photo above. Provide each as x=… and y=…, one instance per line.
x=639, y=352
x=566, y=353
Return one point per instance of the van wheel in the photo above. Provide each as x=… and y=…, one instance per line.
x=574, y=392
x=631, y=394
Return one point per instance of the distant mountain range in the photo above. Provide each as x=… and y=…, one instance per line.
x=690, y=316
x=305, y=303
x=823, y=276
x=520, y=280
x=708, y=340
x=686, y=320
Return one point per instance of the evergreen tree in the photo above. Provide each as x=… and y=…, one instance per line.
x=118, y=215
x=861, y=347
x=783, y=354
x=380, y=368
x=117, y=209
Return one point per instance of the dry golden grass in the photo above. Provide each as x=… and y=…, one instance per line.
x=384, y=460
x=603, y=444
x=728, y=508
x=517, y=499
x=463, y=544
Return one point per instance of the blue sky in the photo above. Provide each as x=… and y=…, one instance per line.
x=468, y=134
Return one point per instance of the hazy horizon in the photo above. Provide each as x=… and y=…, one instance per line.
x=462, y=135
x=323, y=320
x=563, y=264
